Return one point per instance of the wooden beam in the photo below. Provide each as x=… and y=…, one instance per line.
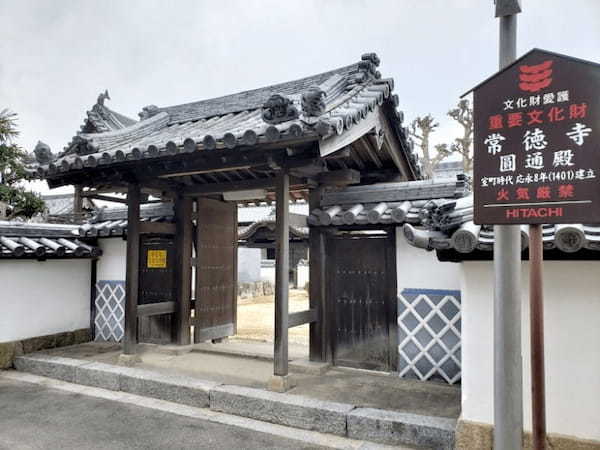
x=158, y=187
x=282, y=261
x=157, y=228
x=106, y=198
x=132, y=269
x=218, y=188
x=339, y=177
x=343, y=153
x=319, y=336
x=78, y=200
x=395, y=148
x=302, y=317
x=105, y=190
x=154, y=309
x=183, y=268
x=241, y=185
x=365, y=144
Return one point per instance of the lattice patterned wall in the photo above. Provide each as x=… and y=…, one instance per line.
x=110, y=310
x=429, y=322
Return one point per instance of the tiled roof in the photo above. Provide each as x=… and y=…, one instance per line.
x=43, y=241
x=298, y=227
x=253, y=99
x=113, y=221
x=249, y=214
x=315, y=107
x=384, y=203
x=63, y=204
x=102, y=119
x=448, y=169
x=448, y=225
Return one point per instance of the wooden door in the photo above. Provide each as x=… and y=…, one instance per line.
x=362, y=294
x=156, y=285
x=216, y=270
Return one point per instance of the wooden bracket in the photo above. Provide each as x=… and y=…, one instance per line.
x=339, y=177
x=302, y=317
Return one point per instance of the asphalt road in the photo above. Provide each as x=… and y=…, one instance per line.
x=37, y=417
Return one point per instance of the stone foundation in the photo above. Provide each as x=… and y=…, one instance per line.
x=10, y=350
x=479, y=436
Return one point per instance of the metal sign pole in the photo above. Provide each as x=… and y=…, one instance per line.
x=536, y=320
x=508, y=377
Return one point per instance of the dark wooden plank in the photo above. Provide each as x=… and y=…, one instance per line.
x=132, y=269
x=216, y=332
x=154, y=309
x=238, y=185
x=157, y=228
x=78, y=200
x=395, y=147
x=217, y=188
x=365, y=145
x=392, y=298
x=360, y=293
x=183, y=274
x=302, y=317
x=216, y=236
x=234, y=219
x=339, y=177
x=319, y=342
x=93, y=279
x=282, y=261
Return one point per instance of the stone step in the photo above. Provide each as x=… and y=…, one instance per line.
x=374, y=425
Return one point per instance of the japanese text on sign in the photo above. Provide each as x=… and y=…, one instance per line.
x=157, y=259
x=536, y=143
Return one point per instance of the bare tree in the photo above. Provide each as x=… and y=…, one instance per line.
x=463, y=114
x=420, y=129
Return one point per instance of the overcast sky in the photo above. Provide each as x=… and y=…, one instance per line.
x=57, y=56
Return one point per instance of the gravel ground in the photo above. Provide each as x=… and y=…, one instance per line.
x=256, y=317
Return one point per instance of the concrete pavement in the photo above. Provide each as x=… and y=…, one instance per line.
x=245, y=363
x=40, y=413
x=284, y=409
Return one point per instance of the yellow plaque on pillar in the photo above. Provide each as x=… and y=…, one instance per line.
x=157, y=259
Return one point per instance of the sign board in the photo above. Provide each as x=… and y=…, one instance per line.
x=537, y=142
x=157, y=259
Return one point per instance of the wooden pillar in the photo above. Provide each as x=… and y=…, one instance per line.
x=132, y=269
x=183, y=277
x=282, y=264
x=319, y=345
x=93, y=280
x=78, y=199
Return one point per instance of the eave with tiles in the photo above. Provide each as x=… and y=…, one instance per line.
x=344, y=119
x=44, y=241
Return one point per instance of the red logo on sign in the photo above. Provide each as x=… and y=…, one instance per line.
x=535, y=78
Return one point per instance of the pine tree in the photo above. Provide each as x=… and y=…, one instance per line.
x=21, y=202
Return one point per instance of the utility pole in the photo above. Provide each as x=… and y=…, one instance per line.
x=508, y=366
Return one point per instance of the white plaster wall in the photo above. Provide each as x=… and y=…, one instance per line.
x=111, y=265
x=572, y=346
x=248, y=264
x=303, y=274
x=267, y=274
x=41, y=298
x=422, y=270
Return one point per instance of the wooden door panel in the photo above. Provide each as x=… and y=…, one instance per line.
x=360, y=295
x=156, y=285
x=216, y=270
